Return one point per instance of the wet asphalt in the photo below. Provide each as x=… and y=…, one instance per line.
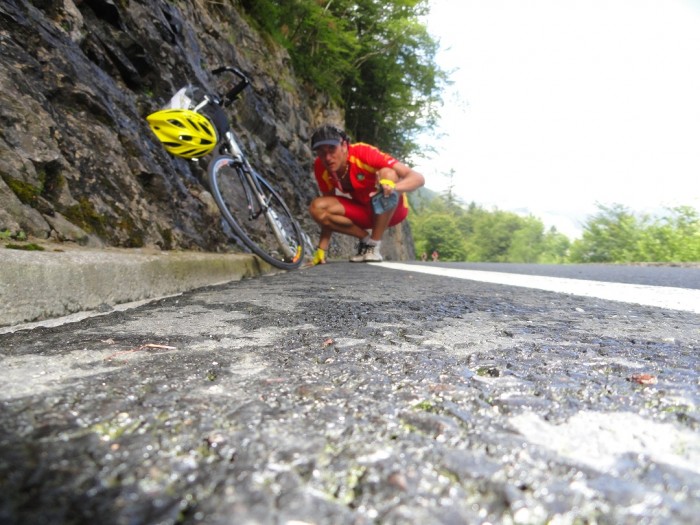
x=352, y=394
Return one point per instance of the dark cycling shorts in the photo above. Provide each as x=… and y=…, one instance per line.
x=363, y=216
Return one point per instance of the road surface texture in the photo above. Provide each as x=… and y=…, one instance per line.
x=684, y=275
x=353, y=394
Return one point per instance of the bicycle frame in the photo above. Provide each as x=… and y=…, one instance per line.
x=260, y=199
x=245, y=170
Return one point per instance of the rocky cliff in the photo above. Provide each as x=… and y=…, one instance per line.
x=78, y=162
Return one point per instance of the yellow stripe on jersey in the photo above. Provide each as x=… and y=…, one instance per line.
x=361, y=165
x=328, y=180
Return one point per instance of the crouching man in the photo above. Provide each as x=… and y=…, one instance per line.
x=348, y=176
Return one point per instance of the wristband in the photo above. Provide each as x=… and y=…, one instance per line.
x=387, y=182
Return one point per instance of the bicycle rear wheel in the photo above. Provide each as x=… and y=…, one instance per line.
x=267, y=228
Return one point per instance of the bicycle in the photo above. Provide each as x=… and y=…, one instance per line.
x=255, y=211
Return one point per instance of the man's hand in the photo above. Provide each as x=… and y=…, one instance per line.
x=386, y=182
x=387, y=186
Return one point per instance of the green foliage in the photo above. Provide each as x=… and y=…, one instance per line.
x=397, y=87
x=6, y=235
x=611, y=235
x=492, y=235
x=373, y=57
x=555, y=247
x=526, y=241
x=462, y=232
x=436, y=232
x=30, y=247
x=615, y=234
x=320, y=40
x=470, y=233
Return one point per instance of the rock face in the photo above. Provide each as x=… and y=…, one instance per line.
x=78, y=162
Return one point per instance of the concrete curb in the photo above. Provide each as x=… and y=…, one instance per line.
x=39, y=285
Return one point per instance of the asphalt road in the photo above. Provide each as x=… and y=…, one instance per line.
x=680, y=275
x=355, y=394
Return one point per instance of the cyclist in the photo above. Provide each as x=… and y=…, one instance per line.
x=348, y=175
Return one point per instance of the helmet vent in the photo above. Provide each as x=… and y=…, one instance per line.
x=176, y=123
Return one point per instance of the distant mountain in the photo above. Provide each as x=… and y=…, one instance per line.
x=422, y=196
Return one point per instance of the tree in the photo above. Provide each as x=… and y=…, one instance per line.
x=609, y=236
x=617, y=235
x=555, y=248
x=492, y=235
x=397, y=87
x=322, y=42
x=672, y=238
x=449, y=193
x=437, y=232
x=526, y=243
x=373, y=57
x=471, y=233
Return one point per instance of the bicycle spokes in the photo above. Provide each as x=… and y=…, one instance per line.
x=256, y=213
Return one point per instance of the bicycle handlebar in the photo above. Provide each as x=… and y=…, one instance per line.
x=238, y=88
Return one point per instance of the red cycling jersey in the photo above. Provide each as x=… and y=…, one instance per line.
x=364, y=161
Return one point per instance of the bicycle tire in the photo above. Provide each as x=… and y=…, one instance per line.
x=232, y=192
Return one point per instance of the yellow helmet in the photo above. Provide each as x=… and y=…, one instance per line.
x=183, y=132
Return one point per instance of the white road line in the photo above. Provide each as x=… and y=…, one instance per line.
x=660, y=296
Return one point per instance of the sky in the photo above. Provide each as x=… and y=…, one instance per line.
x=557, y=105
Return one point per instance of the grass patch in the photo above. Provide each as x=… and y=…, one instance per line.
x=30, y=247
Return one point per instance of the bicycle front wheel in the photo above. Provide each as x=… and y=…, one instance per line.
x=256, y=213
